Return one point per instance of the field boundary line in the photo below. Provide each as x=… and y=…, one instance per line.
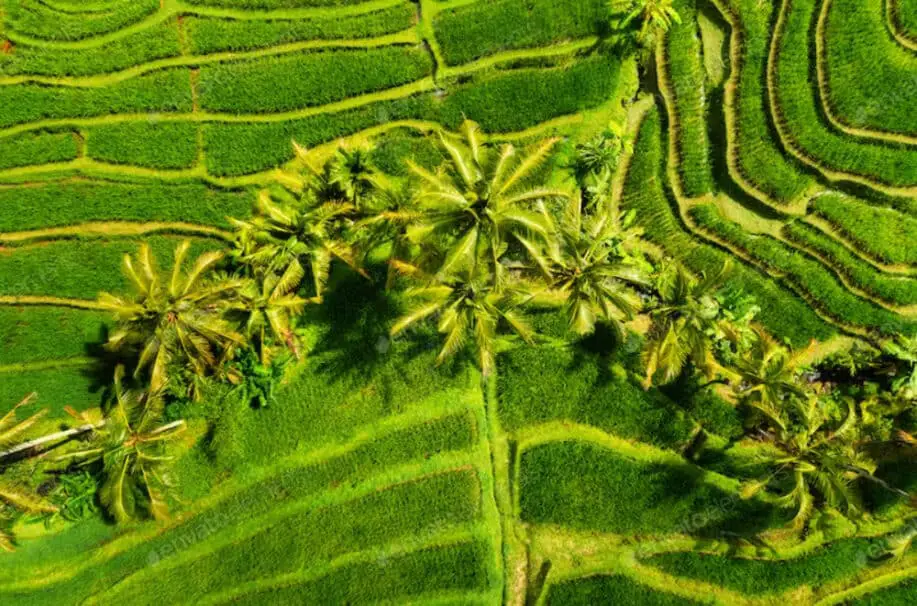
x=401, y=38
x=837, y=235
x=108, y=229
x=361, y=436
x=172, y=8
x=46, y=364
x=790, y=144
x=449, y=538
x=889, y=8
x=39, y=300
x=399, y=475
x=824, y=91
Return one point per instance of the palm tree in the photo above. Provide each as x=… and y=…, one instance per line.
x=685, y=324
x=268, y=304
x=767, y=377
x=817, y=461
x=653, y=17
x=595, y=161
x=303, y=234
x=593, y=269
x=468, y=303
x=15, y=498
x=352, y=171
x=904, y=350
x=133, y=447
x=475, y=205
x=178, y=318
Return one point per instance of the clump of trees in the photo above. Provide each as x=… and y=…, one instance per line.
x=474, y=246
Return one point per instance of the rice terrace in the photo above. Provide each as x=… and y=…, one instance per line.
x=527, y=302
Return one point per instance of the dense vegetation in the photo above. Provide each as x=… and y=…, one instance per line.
x=458, y=301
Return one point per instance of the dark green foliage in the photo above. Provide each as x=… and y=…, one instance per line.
x=797, y=109
x=610, y=589
x=483, y=28
x=149, y=143
x=686, y=77
x=209, y=34
x=804, y=273
x=62, y=203
x=77, y=268
x=782, y=312
x=587, y=487
x=288, y=82
x=898, y=290
x=760, y=157
x=883, y=233
x=37, y=19
x=156, y=42
x=315, y=536
x=870, y=77
x=38, y=148
x=842, y=559
x=164, y=91
x=539, y=385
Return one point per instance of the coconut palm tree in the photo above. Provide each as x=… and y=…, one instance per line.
x=817, y=461
x=15, y=498
x=767, y=377
x=480, y=201
x=174, y=318
x=468, y=305
x=302, y=234
x=267, y=305
x=685, y=324
x=133, y=447
x=352, y=171
x=653, y=17
x=592, y=266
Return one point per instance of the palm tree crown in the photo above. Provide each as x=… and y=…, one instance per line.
x=172, y=318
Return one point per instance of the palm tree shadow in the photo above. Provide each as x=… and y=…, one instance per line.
x=104, y=361
x=357, y=314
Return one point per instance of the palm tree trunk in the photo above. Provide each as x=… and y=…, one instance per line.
x=60, y=435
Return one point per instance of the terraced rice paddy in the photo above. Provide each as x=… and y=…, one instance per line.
x=780, y=135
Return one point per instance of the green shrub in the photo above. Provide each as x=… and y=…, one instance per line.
x=782, y=312
x=539, y=385
x=156, y=42
x=843, y=559
x=759, y=156
x=896, y=290
x=56, y=204
x=150, y=143
x=684, y=71
x=38, y=148
x=36, y=19
x=315, y=536
x=163, y=91
x=209, y=34
x=804, y=273
x=867, y=72
x=610, y=589
x=288, y=82
x=796, y=109
x=883, y=233
x=471, y=31
x=586, y=487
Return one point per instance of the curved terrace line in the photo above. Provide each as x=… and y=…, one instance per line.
x=786, y=137
x=108, y=229
x=407, y=36
x=890, y=8
x=171, y=8
x=824, y=92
